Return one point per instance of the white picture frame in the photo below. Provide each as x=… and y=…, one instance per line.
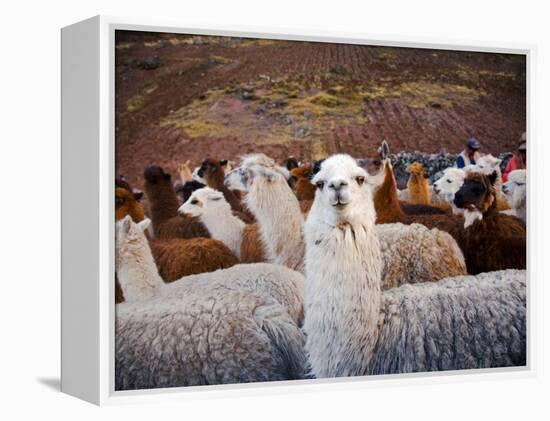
x=88, y=208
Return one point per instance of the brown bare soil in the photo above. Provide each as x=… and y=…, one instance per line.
x=182, y=97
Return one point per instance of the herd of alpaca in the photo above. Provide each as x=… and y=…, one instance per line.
x=255, y=271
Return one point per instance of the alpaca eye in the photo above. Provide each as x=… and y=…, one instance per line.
x=376, y=162
x=194, y=202
x=119, y=201
x=320, y=185
x=360, y=180
x=448, y=181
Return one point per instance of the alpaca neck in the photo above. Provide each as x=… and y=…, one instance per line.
x=217, y=183
x=226, y=228
x=280, y=219
x=137, y=271
x=163, y=202
x=386, y=202
x=342, y=296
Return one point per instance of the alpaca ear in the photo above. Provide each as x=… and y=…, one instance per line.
x=143, y=225
x=125, y=224
x=384, y=150
x=493, y=177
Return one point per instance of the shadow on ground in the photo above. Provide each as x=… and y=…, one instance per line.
x=52, y=383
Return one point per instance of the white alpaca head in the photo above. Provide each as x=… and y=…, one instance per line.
x=450, y=182
x=487, y=164
x=341, y=196
x=238, y=178
x=205, y=201
x=128, y=233
x=515, y=188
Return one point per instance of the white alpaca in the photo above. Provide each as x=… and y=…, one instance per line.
x=215, y=213
x=450, y=182
x=136, y=269
x=515, y=190
x=355, y=328
x=277, y=211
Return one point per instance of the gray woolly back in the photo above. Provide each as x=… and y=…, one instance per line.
x=459, y=323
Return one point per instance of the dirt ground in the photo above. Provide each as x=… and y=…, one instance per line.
x=182, y=97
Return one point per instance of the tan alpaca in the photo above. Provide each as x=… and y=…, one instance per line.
x=185, y=172
x=417, y=185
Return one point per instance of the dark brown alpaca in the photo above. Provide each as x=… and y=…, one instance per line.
x=496, y=241
x=212, y=171
x=176, y=258
x=163, y=205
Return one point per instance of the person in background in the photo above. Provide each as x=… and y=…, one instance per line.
x=518, y=161
x=470, y=155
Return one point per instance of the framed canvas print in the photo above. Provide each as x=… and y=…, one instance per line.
x=244, y=210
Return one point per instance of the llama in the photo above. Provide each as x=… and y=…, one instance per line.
x=354, y=328
x=135, y=256
x=303, y=188
x=214, y=212
x=447, y=186
x=491, y=240
x=278, y=213
x=212, y=172
x=138, y=281
x=488, y=164
x=417, y=185
x=515, y=190
x=185, y=172
x=126, y=204
x=164, y=208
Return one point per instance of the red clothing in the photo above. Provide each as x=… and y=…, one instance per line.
x=513, y=164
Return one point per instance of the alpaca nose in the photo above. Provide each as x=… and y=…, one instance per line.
x=337, y=184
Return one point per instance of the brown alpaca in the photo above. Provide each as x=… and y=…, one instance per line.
x=163, y=204
x=492, y=241
x=126, y=204
x=303, y=188
x=417, y=185
x=213, y=173
x=176, y=258
x=252, y=249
